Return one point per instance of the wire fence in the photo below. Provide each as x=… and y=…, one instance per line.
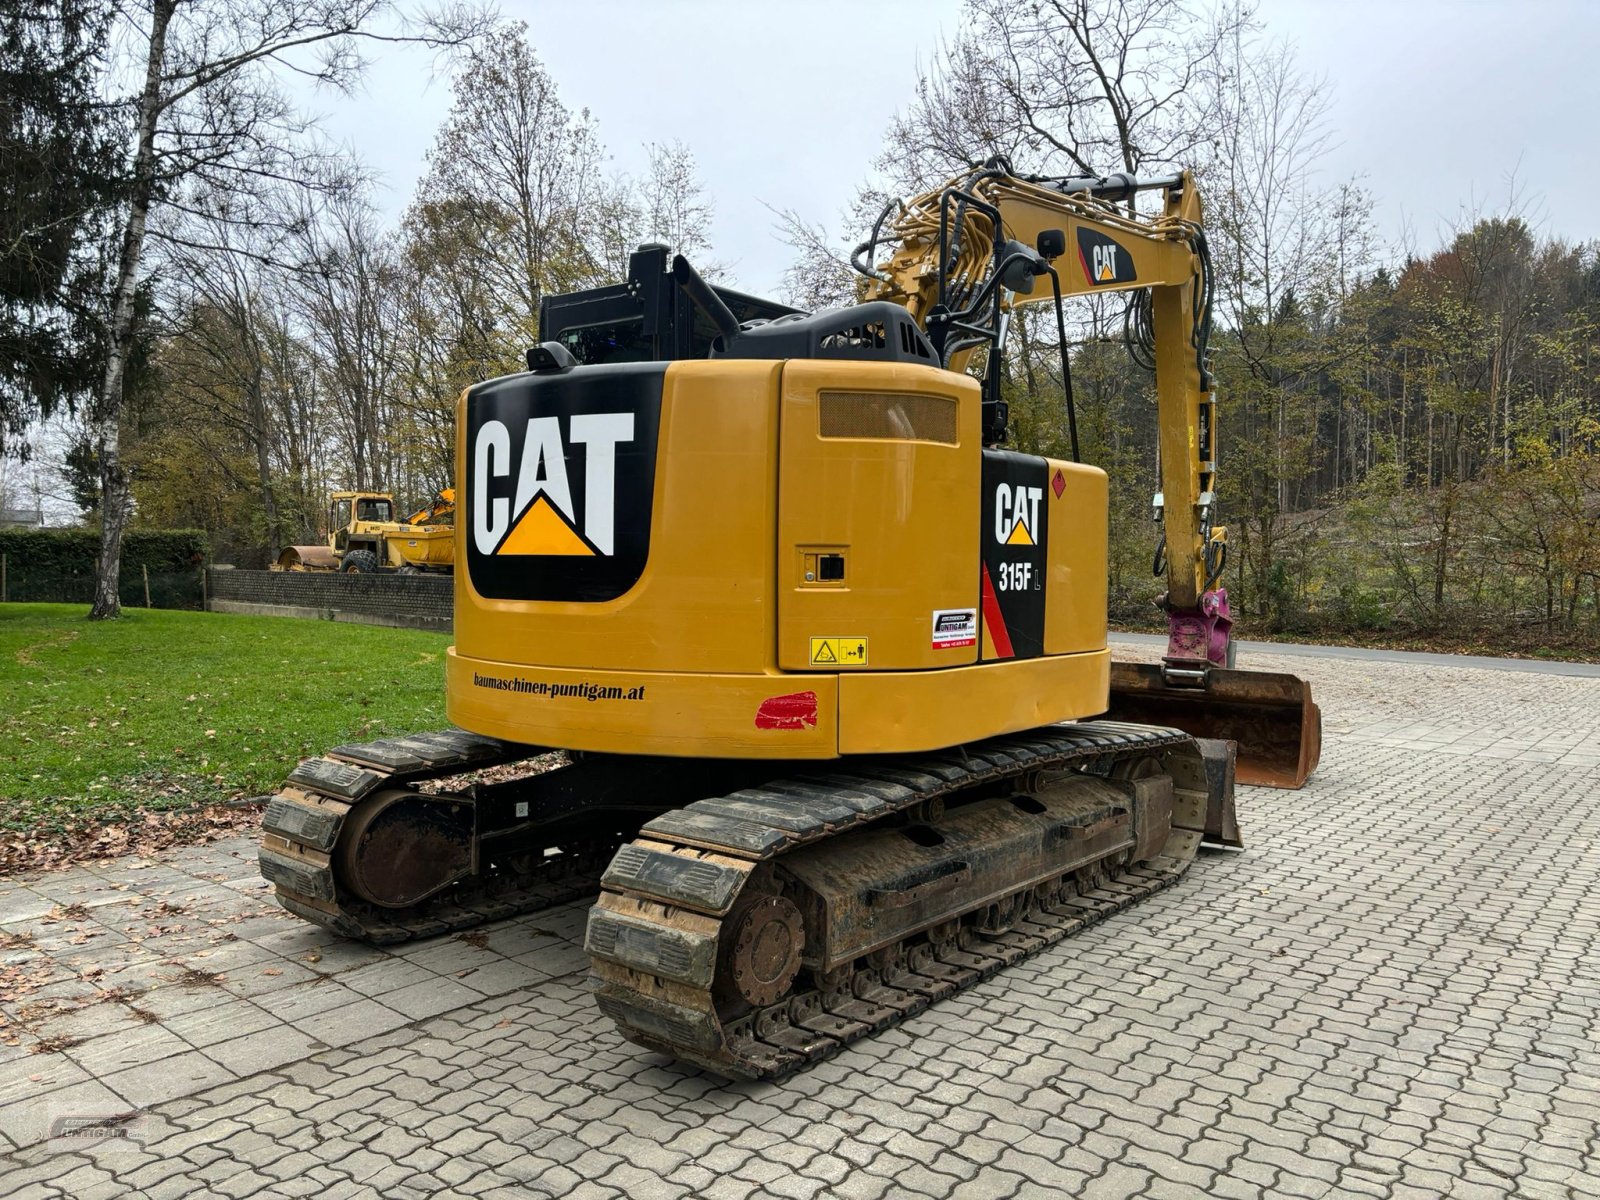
x=137, y=588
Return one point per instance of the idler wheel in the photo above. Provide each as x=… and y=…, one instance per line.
x=765, y=955
x=399, y=847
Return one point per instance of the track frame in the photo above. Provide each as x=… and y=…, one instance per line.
x=674, y=901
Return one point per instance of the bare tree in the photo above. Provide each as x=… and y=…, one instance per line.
x=1279, y=232
x=452, y=323
x=962, y=114
x=1094, y=85
x=347, y=305
x=221, y=354
x=210, y=120
x=1287, y=249
x=821, y=275
x=246, y=353
x=518, y=174
x=676, y=209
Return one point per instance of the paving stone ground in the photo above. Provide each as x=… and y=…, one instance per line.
x=1393, y=992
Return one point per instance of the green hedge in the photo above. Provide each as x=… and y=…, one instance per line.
x=58, y=565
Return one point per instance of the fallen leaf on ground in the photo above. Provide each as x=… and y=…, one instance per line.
x=29, y=852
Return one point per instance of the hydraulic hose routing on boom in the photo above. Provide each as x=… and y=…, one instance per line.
x=960, y=257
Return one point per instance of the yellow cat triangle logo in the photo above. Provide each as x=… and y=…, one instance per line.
x=1107, y=274
x=543, y=530
x=1020, y=535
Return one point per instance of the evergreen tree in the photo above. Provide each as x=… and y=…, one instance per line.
x=59, y=162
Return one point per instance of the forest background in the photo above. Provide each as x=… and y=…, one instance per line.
x=206, y=322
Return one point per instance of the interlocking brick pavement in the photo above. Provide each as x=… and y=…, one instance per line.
x=1393, y=992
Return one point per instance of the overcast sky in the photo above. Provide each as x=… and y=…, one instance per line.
x=1438, y=103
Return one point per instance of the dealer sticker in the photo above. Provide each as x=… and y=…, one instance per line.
x=954, y=627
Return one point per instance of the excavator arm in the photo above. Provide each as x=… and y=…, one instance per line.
x=441, y=506
x=961, y=256
x=961, y=245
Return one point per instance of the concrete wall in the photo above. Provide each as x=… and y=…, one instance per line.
x=407, y=601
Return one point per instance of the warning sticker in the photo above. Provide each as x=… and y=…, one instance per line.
x=954, y=627
x=838, y=651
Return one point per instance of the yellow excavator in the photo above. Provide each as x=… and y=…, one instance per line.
x=829, y=663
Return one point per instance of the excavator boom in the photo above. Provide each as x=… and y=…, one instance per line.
x=960, y=255
x=441, y=506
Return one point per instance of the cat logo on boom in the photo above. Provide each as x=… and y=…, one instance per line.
x=1104, y=260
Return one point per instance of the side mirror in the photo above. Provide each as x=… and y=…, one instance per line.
x=1020, y=265
x=1052, y=244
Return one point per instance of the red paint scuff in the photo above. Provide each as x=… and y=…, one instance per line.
x=798, y=710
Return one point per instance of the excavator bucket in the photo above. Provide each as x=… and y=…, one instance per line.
x=1270, y=716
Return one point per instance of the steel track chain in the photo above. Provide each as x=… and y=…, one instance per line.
x=302, y=824
x=653, y=936
x=807, y=1028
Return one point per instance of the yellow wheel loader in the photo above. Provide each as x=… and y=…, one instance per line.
x=828, y=661
x=365, y=537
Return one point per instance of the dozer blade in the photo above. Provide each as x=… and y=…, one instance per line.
x=1269, y=715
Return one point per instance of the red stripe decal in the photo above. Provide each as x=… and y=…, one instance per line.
x=998, y=633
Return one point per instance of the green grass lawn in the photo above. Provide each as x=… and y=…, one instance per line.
x=168, y=709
